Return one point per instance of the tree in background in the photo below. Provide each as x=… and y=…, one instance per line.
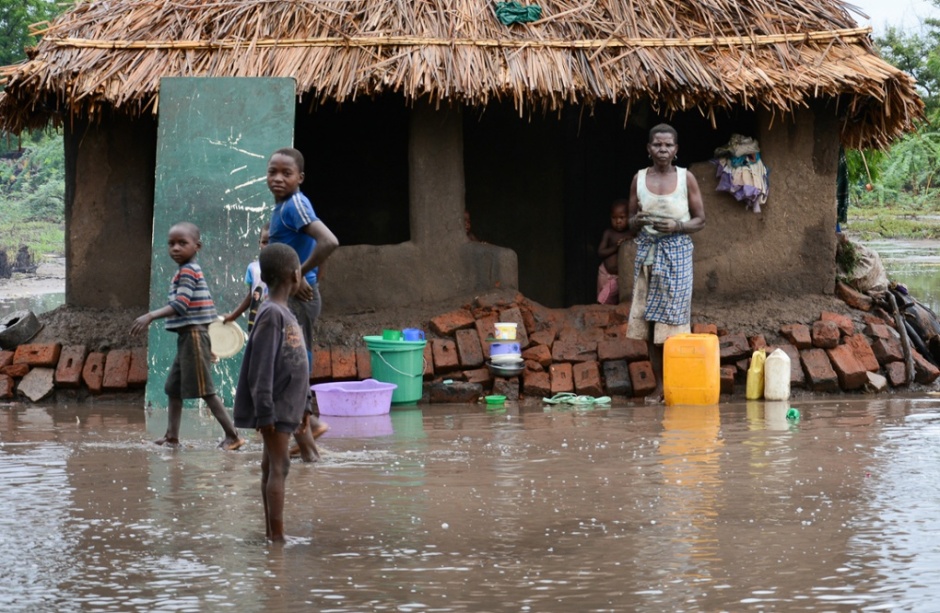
x=905, y=174
x=15, y=18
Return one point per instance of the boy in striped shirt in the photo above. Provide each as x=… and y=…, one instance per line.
x=188, y=312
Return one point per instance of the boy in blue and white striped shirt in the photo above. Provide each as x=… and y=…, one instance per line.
x=188, y=312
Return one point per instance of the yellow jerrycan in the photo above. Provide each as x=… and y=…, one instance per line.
x=755, y=376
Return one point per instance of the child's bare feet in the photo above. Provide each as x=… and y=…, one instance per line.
x=319, y=430
x=168, y=441
x=232, y=444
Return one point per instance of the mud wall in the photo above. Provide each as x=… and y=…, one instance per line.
x=109, y=211
x=789, y=248
x=439, y=261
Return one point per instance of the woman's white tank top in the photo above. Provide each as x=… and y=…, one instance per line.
x=671, y=206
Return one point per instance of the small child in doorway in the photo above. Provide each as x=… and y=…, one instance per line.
x=608, y=290
x=273, y=387
x=257, y=290
x=188, y=312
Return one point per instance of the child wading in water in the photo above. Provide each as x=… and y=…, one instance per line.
x=608, y=289
x=257, y=290
x=189, y=311
x=273, y=385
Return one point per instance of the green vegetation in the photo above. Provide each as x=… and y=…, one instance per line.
x=32, y=166
x=896, y=193
x=32, y=196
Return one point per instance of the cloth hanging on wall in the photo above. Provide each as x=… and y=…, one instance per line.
x=741, y=172
x=512, y=12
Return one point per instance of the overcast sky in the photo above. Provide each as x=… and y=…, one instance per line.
x=904, y=13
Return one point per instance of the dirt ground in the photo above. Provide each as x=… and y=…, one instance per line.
x=102, y=330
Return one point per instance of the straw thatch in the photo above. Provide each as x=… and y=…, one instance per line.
x=677, y=54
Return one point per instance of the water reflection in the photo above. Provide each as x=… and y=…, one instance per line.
x=628, y=508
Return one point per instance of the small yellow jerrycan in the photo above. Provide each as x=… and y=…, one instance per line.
x=755, y=376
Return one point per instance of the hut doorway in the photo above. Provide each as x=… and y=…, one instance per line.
x=543, y=185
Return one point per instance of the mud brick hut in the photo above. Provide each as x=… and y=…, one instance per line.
x=412, y=112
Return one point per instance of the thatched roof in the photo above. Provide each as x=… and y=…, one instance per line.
x=677, y=54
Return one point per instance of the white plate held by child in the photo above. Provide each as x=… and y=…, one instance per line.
x=227, y=338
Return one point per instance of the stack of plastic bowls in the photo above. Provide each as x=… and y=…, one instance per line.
x=505, y=352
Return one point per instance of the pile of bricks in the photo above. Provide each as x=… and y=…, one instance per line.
x=36, y=370
x=581, y=349
x=584, y=350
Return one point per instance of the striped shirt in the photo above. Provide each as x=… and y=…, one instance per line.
x=190, y=298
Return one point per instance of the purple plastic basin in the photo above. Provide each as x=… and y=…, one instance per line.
x=352, y=398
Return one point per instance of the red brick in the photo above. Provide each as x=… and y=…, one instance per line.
x=699, y=328
x=6, y=387
x=643, y=378
x=825, y=334
x=617, y=378
x=343, y=363
x=540, y=354
x=322, y=367
x=93, y=372
x=924, y=372
x=733, y=347
x=629, y=349
x=596, y=317
x=757, y=342
x=6, y=358
x=852, y=375
x=727, y=379
x=445, y=355
x=15, y=370
x=478, y=375
x=469, y=349
x=820, y=377
x=514, y=315
x=428, y=361
x=616, y=331
x=863, y=352
x=883, y=316
x=887, y=350
x=507, y=387
x=569, y=334
x=595, y=335
x=880, y=330
x=562, y=380
x=38, y=354
x=529, y=318
x=619, y=313
x=536, y=384
x=896, y=373
x=798, y=335
x=873, y=318
x=534, y=366
x=845, y=323
x=564, y=351
x=543, y=337
x=117, y=363
x=448, y=323
x=853, y=298
x=364, y=363
x=137, y=375
x=587, y=379
x=486, y=328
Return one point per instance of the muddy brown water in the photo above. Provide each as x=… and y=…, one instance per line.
x=460, y=508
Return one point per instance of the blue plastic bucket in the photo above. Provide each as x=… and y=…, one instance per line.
x=398, y=362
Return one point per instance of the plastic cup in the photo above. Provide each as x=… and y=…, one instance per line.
x=391, y=335
x=505, y=331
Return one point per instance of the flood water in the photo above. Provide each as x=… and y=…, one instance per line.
x=460, y=508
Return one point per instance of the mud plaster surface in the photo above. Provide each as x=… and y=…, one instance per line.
x=102, y=330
